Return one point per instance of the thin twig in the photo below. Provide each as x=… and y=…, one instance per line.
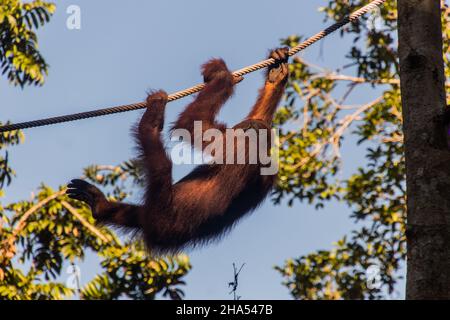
x=234, y=284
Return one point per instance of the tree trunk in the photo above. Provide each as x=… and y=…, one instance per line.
x=427, y=157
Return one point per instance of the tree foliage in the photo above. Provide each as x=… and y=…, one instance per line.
x=39, y=235
x=42, y=235
x=311, y=161
x=20, y=59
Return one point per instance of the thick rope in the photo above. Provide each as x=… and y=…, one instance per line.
x=184, y=93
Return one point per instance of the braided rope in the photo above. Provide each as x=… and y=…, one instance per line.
x=184, y=93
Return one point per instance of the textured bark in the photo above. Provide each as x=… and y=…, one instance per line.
x=427, y=157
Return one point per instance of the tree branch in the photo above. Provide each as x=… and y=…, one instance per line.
x=84, y=222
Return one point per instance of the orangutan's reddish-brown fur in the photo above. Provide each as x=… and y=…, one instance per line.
x=213, y=197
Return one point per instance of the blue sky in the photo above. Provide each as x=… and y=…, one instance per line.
x=125, y=48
